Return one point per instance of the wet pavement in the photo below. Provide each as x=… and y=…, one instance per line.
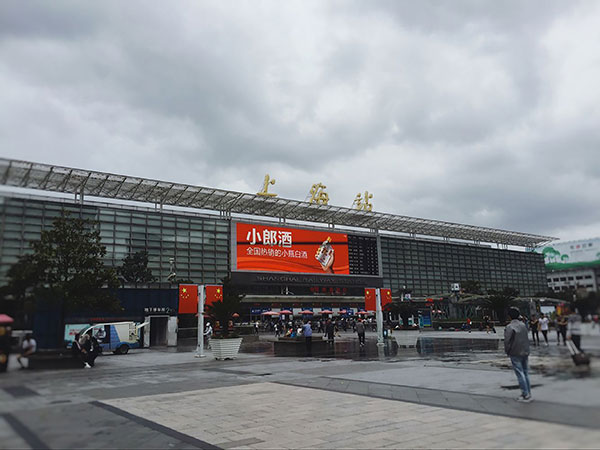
x=459, y=379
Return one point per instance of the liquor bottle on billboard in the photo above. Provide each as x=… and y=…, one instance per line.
x=325, y=255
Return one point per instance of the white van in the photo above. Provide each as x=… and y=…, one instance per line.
x=117, y=337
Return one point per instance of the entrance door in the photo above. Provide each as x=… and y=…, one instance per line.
x=158, y=331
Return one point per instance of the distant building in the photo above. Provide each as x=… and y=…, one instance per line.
x=573, y=265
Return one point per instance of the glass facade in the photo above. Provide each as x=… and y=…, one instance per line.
x=199, y=246
x=428, y=267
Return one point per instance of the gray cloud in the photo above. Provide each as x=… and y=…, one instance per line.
x=476, y=112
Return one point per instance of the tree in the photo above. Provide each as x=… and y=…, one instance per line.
x=17, y=296
x=550, y=253
x=471, y=287
x=66, y=267
x=135, y=269
x=500, y=301
x=221, y=311
x=403, y=309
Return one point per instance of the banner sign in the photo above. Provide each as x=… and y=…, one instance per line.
x=188, y=298
x=213, y=293
x=386, y=297
x=267, y=248
x=573, y=254
x=370, y=299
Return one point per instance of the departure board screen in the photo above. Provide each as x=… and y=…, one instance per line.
x=363, y=255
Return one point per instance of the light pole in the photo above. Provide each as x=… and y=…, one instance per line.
x=200, y=344
x=379, y=316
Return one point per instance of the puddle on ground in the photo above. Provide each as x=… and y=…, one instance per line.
x=440, y=346
x=345, y=349
x=548, y=362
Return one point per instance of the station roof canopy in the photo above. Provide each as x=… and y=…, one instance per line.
x=46, y=177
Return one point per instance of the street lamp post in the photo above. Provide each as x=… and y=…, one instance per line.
x=379, y=316
x=200, y=344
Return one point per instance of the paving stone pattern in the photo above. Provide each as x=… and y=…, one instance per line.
x=157, y=399
x=284, y=416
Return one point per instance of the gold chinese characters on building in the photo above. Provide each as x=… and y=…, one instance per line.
x=318, y=195
x=265, y=189
x=362, y=203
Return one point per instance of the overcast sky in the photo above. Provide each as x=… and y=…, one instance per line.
x=486, y=113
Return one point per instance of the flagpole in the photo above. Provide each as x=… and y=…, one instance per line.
x=200, y=345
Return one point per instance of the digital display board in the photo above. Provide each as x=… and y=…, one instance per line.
x=269, y=248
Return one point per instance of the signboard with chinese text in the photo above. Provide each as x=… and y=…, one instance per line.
x=264, y=253
x=573, y=254
x=266, y=248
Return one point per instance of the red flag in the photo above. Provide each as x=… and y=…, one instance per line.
x=188, y=298
x=214, y=292
x=386, y=297
x=370, y=300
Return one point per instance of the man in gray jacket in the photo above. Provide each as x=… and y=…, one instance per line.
x=516, y=346
x=360, y=330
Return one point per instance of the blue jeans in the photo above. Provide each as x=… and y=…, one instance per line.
x=521, y=368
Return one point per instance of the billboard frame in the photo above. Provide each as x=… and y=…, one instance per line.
x=305, y=275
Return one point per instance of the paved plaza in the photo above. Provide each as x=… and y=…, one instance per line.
x=169, y=399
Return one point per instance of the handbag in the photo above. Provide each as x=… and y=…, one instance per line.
x=579, y=358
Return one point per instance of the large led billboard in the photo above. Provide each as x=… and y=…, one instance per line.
x=270, y=248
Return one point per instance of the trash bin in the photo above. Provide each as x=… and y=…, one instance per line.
x=5, y=334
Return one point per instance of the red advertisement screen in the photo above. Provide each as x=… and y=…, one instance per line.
x=266, y=248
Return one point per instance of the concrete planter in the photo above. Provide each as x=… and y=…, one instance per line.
x=406, y=338
x=225, y=348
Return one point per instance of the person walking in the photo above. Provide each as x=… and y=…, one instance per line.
x=208, y=331
x=544, y=328
x=516, y=346
x=307, y=332
x=574, y=329
x=329, y=331
x=84, y=350
x=28, y=348
x=561, y=329
x=360, y=330
x=534, y=325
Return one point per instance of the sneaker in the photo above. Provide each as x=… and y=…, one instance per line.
x=87, y=366
x=523, y=399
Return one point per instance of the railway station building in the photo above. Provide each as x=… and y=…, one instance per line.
x=284, y=253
